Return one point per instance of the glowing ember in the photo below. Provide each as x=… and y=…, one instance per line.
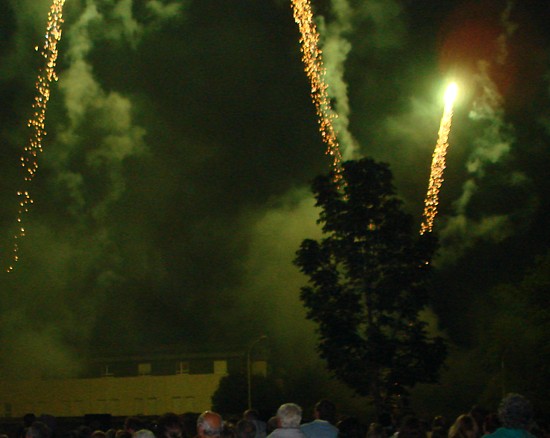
x=313, y=66
x=29, y=158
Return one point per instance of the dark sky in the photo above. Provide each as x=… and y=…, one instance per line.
x=173, y=190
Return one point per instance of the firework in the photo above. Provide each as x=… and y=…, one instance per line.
x=37, y=122
x=315, y=71
x=438, y=161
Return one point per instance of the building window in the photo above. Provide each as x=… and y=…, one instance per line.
x=201, y=366
x=183, y=367
x=144, y=369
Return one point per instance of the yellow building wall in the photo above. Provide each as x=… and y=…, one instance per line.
x=119, y=396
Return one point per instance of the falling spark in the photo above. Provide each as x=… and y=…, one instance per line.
x=46, y=75
x=438, y=161
x=313, y=66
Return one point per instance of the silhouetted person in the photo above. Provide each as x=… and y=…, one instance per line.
x=143, y=433
x=133, y=424
x=121, y=433
x=189, y=423
x=465, y=426
x=516, y=415
x=254, y=416
x=478, y=413
x=38, y=429
x=169, y=426
x=209, y=424
x=229, y=430
x=28, y=419
x=245, y=429
x=322, y=426
x=289, y=416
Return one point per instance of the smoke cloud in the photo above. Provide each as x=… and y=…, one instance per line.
x=95, y=141
x=273, y=282
x=335, y=49
x=460, y=230
x=173, y=191
x=165, y=10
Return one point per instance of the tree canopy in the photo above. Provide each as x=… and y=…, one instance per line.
x=514, y=336
x=231, y=395
x=368, y=282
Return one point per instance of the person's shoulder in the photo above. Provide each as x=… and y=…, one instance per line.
x=505, y=432
x=319, y=426
x=315, y=424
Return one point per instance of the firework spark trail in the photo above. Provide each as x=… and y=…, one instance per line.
x=46, y=75
x=438, y=161
x=313, y=66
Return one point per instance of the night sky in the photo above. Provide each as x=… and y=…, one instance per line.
x=173, y=190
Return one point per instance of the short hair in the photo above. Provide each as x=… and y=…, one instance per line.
x=251, y=414
x=326, y=410
x=144, y=433
x=168, y=420
x=133, y=423
x=515, y=412
x=290, y=415
x=38, y=429
x=246, y=429
x=207, y=428
x=463, y=425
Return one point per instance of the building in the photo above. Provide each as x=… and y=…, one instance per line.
x=122, y=386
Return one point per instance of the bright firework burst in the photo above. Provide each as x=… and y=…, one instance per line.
x=313, y=66
x=46, y=75
x=438, y=161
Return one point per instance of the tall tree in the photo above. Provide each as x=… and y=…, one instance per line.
x=514, y=336
x=231, y=396
x=368, y=282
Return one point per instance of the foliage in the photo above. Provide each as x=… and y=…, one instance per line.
x=368, y=281
x=231, y=397
x=514, y=340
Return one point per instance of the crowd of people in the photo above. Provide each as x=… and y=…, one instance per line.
x=514, y=419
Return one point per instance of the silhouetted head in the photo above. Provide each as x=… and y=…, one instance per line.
x=246, y=429
x=209, y=424
x=251, y=415
x=169, y=426
x=133, y=424
x=515, y=412
x=465, y=426
x=289, y=415
x=325, y=410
